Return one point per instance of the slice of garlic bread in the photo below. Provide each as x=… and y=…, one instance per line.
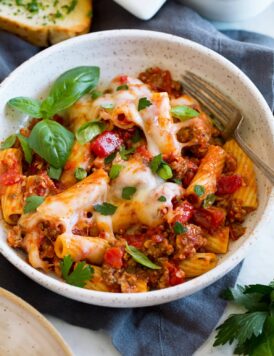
x=45, y=22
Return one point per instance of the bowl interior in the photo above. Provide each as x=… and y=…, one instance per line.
x=129, y=52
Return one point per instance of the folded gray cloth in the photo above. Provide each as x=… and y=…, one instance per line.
x=180, y=327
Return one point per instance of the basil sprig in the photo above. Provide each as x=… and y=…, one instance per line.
x=140, y=257
x=8, y=143
x=51, y=141
x=183, y=112
x=66, y=90
x=25, y=147
x=89, y=131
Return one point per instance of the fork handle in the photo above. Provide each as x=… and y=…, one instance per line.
x=265, y=168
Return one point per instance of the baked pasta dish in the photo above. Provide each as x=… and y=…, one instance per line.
x=129, y=189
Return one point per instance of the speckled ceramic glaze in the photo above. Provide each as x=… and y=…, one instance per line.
x=24, y=331
x=129, y=52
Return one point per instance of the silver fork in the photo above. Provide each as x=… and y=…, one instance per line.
x=226, y=113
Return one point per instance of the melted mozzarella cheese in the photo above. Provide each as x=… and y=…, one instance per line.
x=144, y=206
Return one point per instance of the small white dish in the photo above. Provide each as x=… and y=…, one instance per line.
x=144, y=9
x=24, y=331
x=228, y=10
x=130, y=52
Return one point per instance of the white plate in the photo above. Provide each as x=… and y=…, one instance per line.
x=129, y=52
x=24, y=331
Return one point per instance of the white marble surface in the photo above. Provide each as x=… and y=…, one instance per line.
x=258, y=266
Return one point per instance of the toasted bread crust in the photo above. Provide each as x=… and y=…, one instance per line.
x=45, y=35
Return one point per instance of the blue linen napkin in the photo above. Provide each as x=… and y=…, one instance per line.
x=179, y=327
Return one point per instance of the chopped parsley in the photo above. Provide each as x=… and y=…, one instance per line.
x=105, y=208
x=122, y=87
x=128, y=192
x=80, y=275
x=143, y=103
x=199, y=190
x=162, y=198
x=32, y=203
x=179, y=228
x=80, y=173
x=115, y=171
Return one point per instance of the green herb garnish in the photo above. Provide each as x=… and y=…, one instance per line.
x=160, y=167
x=209, y=200
x=9, y=142
x=199, y=190
x=124, y=153
x=89, y=131
x=25, y=147
x=80, y=173
x=179, y=228
x=122, y=87
x=140, y=257
x=143, y=103
x=80, y=275
x=137, y=136
x=115, y=171
x=105, y=208
x=128, y=192
x=183, y=112
x=32, y=203
x=253, y=331
x=54, y=173
x=95, y=94
x=162, y=198
x=110, y=158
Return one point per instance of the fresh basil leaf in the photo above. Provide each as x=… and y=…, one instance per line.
x=80, y=274
x=128, y=192
x=115, y=171
x=26, y=148
x=32, y=203
x=122, y=87
x=183, y=112
x=95, y=94
x=165, y=172
x=124, y=153
x=199, y=190
x=162, y=198
x=110, y=158
x=179, y=228
x=80, y=173
x=143, y=103
x=69, y=88
x=156, y=162
x=105, y=208
x=89, y=131
x=51, y=141
x=209, y=200
x=27, y=106
x=54, y=173
x=9, y=142
x=141, y=258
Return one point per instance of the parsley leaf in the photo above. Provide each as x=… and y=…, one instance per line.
x=199, y=190
x=110, y=158
x=105, y=208
x=140, y=257
x=80, y=173
x=32, y=203
x=79, y=276
x=162, y=198
x=179, y=228
x=122, y=87
x=124, y=153
x=241, y=327
x=128, y=192
x=157, y=165
x=115, y=171
x=183, y=112
x=156, y=162
x=143, y=103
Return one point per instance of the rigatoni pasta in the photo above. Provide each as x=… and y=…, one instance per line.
x=127, y=189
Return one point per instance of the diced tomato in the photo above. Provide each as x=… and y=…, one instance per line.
x=9, y=178
x=176, y=276
x=114, y=257
x=183, y=212
x=105, y=144
x=144, y=152
x=209, y=218
x=123, y=79
x=136, y=240
x=229, y=184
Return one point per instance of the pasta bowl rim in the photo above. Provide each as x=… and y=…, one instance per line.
x=171, y=293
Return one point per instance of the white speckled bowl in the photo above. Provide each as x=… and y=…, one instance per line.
x=130, y=51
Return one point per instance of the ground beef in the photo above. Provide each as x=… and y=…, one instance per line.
x=236, y=212
x=15, y=238
x=236, y=231
x=230, y=164
x=156, y=249
x=160, y=80
x=189, y=242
